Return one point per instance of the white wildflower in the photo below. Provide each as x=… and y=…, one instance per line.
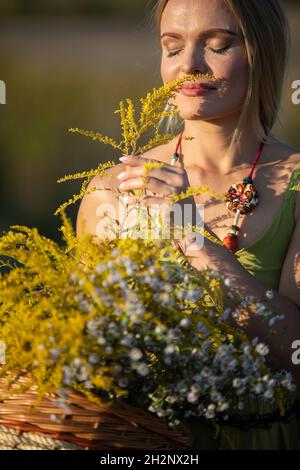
x=143, y=369
x=211, y=411
x=262, y=349
x=269, y=294
x=184, y=322
x=100, y=268
x=135, y=354
x=258, y=388
x=192, y=397
x=228, y=282
x=170, y=349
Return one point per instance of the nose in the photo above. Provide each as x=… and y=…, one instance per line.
x=193, y=61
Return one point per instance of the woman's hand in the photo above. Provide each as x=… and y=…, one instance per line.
x=164, y=183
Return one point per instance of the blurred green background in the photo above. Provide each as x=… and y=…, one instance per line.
x=68, y=63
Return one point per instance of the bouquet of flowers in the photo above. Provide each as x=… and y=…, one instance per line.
x=122, y=319
x=127, y=323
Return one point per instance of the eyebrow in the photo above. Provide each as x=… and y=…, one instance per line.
x=208, y=32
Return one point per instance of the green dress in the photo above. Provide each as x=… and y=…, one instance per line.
x=264, y=260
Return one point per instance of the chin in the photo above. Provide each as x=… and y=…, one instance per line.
x=193, y=117
x=199, y=115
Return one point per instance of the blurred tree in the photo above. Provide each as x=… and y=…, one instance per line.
x=128, y=8
x=124, y=8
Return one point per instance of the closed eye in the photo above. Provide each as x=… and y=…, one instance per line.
x=172, y=53
x=222, y=50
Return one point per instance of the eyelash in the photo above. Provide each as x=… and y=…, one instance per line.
x=223, y=50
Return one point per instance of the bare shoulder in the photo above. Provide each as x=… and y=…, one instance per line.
x=108, y=180
x=287, y=158
x=284, y=153
x=101, y=192
x=163, y=152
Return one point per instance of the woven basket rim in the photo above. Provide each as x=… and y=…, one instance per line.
x=119, y=425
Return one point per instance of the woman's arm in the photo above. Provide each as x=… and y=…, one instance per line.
x=99, y=206
x=286, y=301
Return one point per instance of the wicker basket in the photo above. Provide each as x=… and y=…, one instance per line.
x=84, y=426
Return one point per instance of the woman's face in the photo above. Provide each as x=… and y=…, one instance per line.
x=201, y=36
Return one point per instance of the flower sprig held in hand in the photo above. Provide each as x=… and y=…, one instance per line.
x=133, y=130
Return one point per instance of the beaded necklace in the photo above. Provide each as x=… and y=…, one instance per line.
x=241, y=198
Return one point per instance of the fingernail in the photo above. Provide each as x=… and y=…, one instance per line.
x=122, y=186
x=125, y=159
x=121, y=175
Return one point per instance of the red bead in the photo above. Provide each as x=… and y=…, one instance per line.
x=231, y=242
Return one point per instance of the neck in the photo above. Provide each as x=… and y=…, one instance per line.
x=211, y=148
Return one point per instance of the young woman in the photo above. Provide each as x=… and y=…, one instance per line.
x=243, y=45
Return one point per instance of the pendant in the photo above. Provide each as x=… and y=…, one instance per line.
x=241, y=198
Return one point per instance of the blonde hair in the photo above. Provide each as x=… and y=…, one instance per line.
x=266, y=35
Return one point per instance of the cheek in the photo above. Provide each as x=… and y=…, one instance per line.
x=233, y=74
x=168, y=70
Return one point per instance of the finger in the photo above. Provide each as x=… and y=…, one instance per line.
x=133, y=183
x=131, y=172
x=133, y=161
x=158, y=186
x=150, y=183
x=159, y=173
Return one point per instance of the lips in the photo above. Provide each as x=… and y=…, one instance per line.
x=197, y=87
